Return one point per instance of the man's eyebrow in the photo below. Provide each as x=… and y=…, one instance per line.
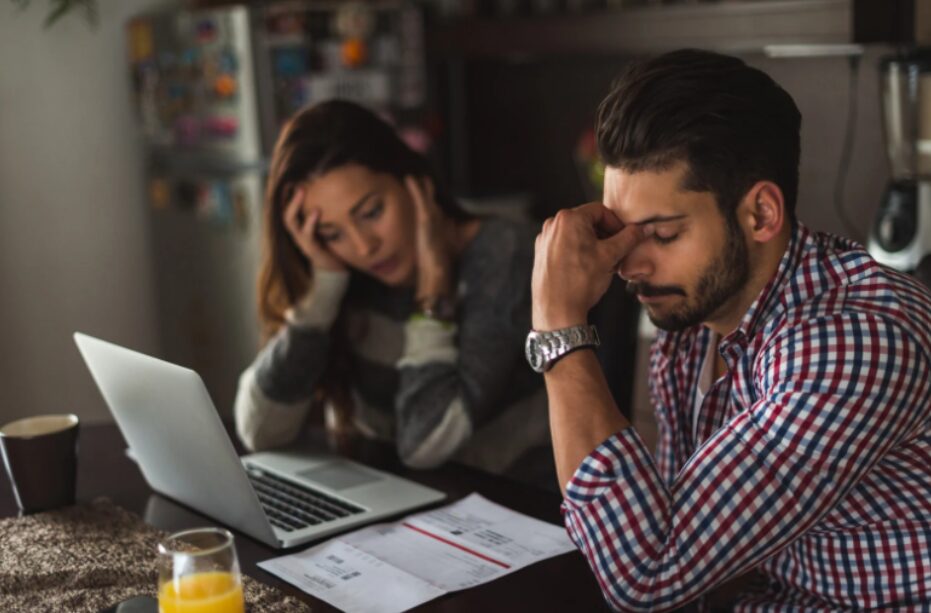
x=659, y=219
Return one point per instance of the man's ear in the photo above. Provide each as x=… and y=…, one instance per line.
x=763, y=211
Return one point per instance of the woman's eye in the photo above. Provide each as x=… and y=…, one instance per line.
x=374, y=211
x=328, y=237
x=665, y=240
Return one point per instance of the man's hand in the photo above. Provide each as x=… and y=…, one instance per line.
x=576, y=254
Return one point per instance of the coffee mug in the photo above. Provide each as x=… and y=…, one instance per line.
x=40, y=454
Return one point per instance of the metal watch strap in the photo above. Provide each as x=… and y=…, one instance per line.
x=543, y=349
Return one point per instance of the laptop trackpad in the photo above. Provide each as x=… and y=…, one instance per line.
x=339, y=475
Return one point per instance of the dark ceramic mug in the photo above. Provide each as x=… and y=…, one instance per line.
x=41, y=458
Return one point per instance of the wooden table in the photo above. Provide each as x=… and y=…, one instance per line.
x=563, y=583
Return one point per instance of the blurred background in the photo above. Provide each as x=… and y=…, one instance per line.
x=134, y=135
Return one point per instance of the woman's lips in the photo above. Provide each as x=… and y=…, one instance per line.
x=385, y=267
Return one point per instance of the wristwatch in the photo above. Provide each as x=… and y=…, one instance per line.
x=543, y=349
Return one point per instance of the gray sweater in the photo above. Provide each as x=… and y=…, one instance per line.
x=439, y=391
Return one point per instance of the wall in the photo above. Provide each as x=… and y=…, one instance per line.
x=73, y=240
x=820, y=89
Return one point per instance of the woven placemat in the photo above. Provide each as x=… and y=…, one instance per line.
x=90, y=556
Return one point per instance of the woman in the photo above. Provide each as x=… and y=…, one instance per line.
x=385, y=301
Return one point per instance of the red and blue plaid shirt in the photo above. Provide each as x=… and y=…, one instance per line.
x=810, y=460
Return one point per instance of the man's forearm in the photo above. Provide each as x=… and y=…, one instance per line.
x=582, y=411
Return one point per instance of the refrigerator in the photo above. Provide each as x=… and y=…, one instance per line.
x=211, y=89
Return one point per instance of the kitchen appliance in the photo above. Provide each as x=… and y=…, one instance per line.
x=212, y=87
x=901, y=234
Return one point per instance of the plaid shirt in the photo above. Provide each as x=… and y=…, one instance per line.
x=810, y=460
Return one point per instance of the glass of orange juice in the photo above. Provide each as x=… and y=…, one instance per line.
x=198, y=572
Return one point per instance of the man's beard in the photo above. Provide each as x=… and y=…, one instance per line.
x=725, y=276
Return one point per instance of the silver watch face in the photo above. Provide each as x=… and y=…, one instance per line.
x=533, y=352
x=543, y=349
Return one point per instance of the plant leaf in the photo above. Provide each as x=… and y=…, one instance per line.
x=61, y=7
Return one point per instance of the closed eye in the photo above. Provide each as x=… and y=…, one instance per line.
x=374, y=211
x=665, y=240
x=328, y=237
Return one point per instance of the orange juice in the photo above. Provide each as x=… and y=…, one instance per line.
x=213, y=592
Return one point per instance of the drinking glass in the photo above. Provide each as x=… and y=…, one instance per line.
x=198, y=572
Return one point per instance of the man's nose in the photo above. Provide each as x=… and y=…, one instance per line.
x=637, y=265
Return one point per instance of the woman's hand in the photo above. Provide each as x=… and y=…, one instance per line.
x=303, y=231
x=434, y=255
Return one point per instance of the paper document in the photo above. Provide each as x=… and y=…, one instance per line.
x=393, y=567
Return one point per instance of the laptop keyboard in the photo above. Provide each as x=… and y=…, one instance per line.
x=291, y=506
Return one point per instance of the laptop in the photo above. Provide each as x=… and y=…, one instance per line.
x=281, y=498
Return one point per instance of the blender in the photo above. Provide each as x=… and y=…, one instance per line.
x=901, y=234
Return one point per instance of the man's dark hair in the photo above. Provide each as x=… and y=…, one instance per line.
x=732, y=124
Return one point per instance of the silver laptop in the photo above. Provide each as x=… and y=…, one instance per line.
x=281, y=498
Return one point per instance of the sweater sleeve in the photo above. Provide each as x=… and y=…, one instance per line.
x=276, y=390
x=454, y=377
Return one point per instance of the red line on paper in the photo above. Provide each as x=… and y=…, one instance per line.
x=456, y=545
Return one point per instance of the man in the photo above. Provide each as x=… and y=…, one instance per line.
x=790, y=380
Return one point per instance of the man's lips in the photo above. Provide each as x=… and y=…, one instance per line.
x=647, y=293
x=647, y=299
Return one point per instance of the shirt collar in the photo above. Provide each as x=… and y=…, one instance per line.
x=770, y=300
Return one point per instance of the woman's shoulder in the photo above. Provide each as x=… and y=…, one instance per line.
x=499, y=260
x=499, y=241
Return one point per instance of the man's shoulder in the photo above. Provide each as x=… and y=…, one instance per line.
x=829, y=261
x=838, y=278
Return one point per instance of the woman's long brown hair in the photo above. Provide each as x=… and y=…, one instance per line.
x=316, y=140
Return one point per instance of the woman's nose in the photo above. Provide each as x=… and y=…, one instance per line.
x=365, y=243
